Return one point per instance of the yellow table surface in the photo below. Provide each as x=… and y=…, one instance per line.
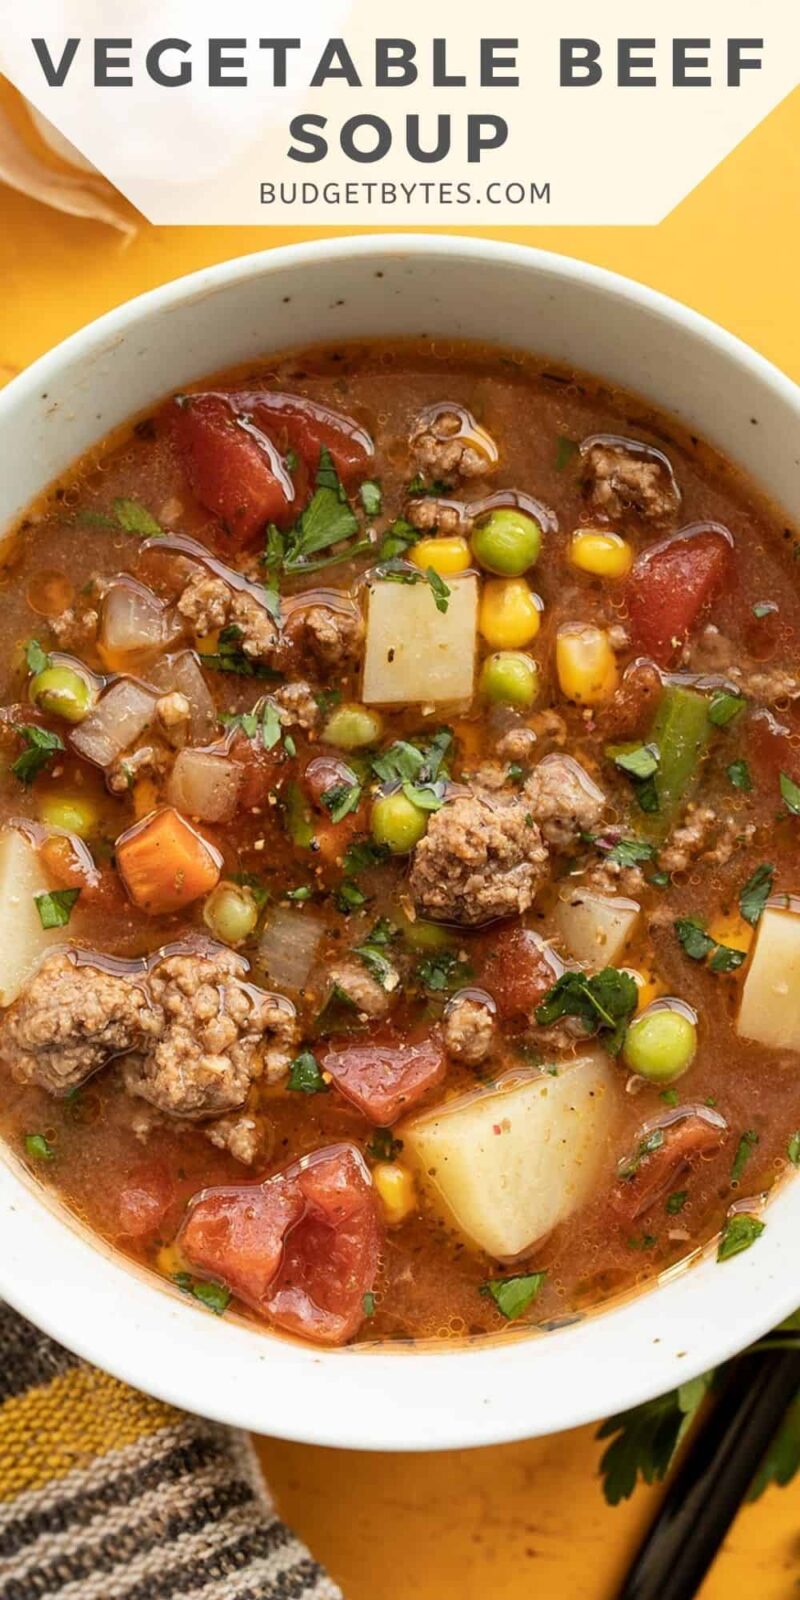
x=525, y=1519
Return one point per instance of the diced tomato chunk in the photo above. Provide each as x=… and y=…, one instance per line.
x=233, y=467
x=693, y=1134
x=261, y=769
x=671, y=585
x=517, y=972
x=304, y=426
x=301, y=1249
x=384, y=1081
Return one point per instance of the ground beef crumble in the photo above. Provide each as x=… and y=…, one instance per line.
x=482, y=858
x=208, y=603
x=447, y=443
x=469, y=1027
x=70, y=1020
x=622, y=482
x=564, y=800
x=366, y=995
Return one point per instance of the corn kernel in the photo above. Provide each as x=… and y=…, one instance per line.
x=170, y=1261
x=76, y=814
x=730, y=929
x=606, y=555
x=509, y=614
x=586, y=664
x=447, y=556
x=396, y=1191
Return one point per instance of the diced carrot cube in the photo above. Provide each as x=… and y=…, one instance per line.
x=165, y=863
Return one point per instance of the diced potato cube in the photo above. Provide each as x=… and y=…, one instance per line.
x=23, y=940
x=770, y=1008
x=415, y=653
x=596, y=928
x=507, y=1164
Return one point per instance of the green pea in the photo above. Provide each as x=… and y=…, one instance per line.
x=231, y=913
x=397, y=823
x=75, y=814
x=509, y=677
x=507, y=543
x=660, y=1045
x=352, y=727
x=62, y=692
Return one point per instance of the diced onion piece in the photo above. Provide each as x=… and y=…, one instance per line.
x=117, y=721
x=416, y=653
x=508, y=1164
x=204, y=785
x=133, y=624
x=595, y=927
x=770, y=1008
x=288, y=947
x=24, y=940
x=181, y=674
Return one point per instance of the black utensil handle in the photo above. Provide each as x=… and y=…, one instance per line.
x=714, y=1476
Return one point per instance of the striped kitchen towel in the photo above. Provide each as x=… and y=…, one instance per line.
x=106, y=1494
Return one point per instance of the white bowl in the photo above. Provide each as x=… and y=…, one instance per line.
x=94, y=1302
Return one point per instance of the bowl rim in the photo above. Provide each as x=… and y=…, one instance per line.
x=478, y=1395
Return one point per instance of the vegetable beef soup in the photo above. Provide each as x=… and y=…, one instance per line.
x=400, y=789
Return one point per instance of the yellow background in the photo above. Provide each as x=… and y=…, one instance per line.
x=526, y=1519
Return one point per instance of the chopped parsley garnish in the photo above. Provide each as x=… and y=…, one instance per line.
x=793, y=1149
x=383, y=1146
x=739, y=775
x=301, y=894
x=349, y=897
x=762, y=608
x=437, y=487
x=756, y=893
x=363, y=854
x=37, y=659
x=442, y=972
x=659, y=880
x=647, y=1146
x=565, y=450
x=739, y=1233
x=513, y=1296
x=55, y=906
x=398, y=538
x=328, y=520
x=699, y=945
x=211, y=1295
x=133, y=517
x=230, y=657
x=378, y=965
x=790, y=793
x=305, y=1075
x=637, y=761
x=676, y=1202
x=626, y=852
x=263, y=724
x=371, y=498
x=744, y=1150
x=724, y=706
x=341, y=800
x=41, y=746
x=670, y=1096
x=415, y=765
x=38, y=1147
x=396, y=570
x=368, y=1303
x=604, y=1002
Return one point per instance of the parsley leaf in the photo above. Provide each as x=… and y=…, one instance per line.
x=793, y=1149
x=213, y=1296
x=726, y=959
x=230, y=657
x=383, y=1146
x=395, y=570
x=676, y=1202
x=55, y=907
x=133, y=517
x=790, y=793
x=441, y=592
x=404, y=763
x=363, y=854
x=371, y=498
x=604, y=1002
x=305, y=1075
x=637, y=761
x=756, y=893
x=341, y=800
x=398, y=538
x=739, y=1233
x=377, y=964
x=37, y=659
x=565, y=450
x=698, y=945
x=645, y=1439
x=349, y=897
x=442, y=972
x=744, y=1150
x=762, y=608
x=264, y=723
x=513, y=1296
x=368, y=1303
x=626, y=852
x=647, y=1146
x=40, y=747
x=724, y=706
x=739, y=775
